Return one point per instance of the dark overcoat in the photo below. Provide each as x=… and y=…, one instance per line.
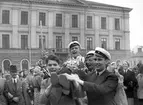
x=101, y=89
x=130, y=82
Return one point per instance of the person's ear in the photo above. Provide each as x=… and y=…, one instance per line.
x=107, y=61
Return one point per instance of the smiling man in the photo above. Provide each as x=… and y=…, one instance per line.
x=100, y=85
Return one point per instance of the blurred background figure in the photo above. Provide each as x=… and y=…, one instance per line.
x=30, y=88
x=2, y=83
x=140, y=85
x=14, y=88
x=7, y=76
x=120, y=96
x=130, y=82
x=37, y=84
x=89, y=61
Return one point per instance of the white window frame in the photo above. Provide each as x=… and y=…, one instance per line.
x=21, y=63
x=3, y=65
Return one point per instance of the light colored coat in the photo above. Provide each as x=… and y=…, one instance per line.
x=140, y=86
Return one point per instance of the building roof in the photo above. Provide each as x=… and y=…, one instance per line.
x=103, y=5
x=83, y=3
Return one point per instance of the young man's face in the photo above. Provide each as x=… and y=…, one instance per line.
x=53, y=66
x=125, y=65
x=90, y=63
x=100, y=63
x=75, y=50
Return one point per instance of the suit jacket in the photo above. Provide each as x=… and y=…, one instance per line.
x=16, y=91
x=55, y=97
x=2, y=98
x=130, y=82
x=101, y=89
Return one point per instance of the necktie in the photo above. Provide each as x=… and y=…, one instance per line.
x=15, y=84
x=14, y=81
x=97, y=74
x=125, y=71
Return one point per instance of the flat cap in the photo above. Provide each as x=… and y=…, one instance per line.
x=73, y=43
x=102, y=52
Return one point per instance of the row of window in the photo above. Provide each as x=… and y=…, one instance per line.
x=6, y=64
x=59, y=20
x=59, y=42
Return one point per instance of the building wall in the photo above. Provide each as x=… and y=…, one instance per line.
x=33, y=30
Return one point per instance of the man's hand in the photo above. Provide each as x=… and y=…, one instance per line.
x=16, y=99
x=76, y=84
x=10, y=95
x=75, y=76
x=69, y=77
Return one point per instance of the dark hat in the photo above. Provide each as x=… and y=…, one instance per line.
x=102, y=52
x=13, y=68
x=73, y=43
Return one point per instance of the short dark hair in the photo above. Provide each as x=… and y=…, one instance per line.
x=53, y=57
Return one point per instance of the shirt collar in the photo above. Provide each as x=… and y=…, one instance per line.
x=126, y=70
x=14, y=79
x=101, y=72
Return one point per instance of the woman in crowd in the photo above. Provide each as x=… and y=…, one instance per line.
x=140, y=85
x=37, y=84
x=2, y=82
x=120, y=96
x=130, y=82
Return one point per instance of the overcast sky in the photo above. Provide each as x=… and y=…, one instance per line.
x=136, y=18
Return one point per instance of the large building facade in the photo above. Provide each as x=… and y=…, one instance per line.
x=29, y=26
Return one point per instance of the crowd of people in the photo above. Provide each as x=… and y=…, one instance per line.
x=89, y=80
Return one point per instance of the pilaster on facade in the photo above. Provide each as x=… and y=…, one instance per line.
x=67, y=27
x=0, y=40
x=126, y=33
x=32, y=29
x=50, y=30
x=97, y=27
x=127, y=41
x=82, y=30
x=15, y=36
x=111, y=44
x=97, y=39
x=126, y=24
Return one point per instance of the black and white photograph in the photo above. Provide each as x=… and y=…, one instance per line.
x=71, y=52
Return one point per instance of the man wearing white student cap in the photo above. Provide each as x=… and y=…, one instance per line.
x=100, y=85
x=89, y=61
x=102, y=52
